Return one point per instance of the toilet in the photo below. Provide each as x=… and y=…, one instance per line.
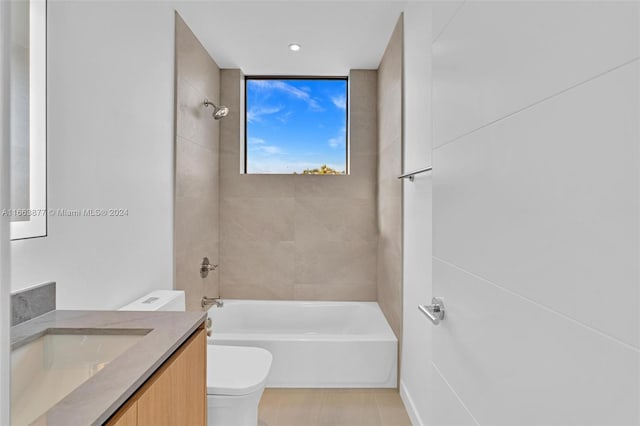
x=236, y=376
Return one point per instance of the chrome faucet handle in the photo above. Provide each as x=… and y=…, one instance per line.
x=205, y=267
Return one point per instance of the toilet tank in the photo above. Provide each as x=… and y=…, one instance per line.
x=159, y=300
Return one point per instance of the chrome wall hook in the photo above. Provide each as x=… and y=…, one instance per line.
x=435, y=311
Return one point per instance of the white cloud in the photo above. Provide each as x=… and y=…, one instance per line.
x=336, y=142
x=271, y=149
x=256, y=113
x=339, y=101
x=259, y=145
x=256, y=141
x=340, y=139
x=284, y=118
x=290, y=90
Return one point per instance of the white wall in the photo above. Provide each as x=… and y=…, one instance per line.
x=5, y=394
x=536, y=209
x=415, y=376
x=110, y=139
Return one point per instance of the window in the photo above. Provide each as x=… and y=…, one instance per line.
x=296, y=125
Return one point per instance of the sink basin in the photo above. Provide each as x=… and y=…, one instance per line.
x=49, y=368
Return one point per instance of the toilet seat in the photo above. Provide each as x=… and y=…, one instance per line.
x=236, y=370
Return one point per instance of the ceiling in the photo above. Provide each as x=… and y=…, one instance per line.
x=336, y=36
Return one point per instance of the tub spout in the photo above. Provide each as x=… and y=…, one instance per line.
x=210, y=301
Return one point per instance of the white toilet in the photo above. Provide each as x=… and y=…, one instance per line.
x=236, y=375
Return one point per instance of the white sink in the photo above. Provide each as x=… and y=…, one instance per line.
x=46, y=370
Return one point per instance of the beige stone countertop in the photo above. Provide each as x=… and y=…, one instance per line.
x=98, y=398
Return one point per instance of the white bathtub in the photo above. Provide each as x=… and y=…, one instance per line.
x=314, y=344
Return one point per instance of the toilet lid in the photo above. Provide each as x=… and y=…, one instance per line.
x=236, y=370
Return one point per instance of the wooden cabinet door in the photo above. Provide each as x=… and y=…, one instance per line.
x=177, y=393
x=126, y=416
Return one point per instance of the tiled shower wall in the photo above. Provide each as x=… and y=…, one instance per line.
x=196, y=176
x=389, y=268
x=300, y=236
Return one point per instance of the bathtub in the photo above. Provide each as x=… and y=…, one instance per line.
x=314, y=344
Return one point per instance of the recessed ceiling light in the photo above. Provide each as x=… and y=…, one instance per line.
x=294, y=47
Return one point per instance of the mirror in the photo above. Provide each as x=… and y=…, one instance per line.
x=28, y=119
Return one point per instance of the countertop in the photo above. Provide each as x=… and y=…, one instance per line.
x=97, y=399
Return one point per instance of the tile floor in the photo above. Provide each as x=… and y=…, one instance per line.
x=332, y=407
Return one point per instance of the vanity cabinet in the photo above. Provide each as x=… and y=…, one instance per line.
x=175, y=395
x=126, y=416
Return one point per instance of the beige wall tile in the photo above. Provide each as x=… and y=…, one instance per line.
x=334, y=186
x=230, y=135
x=390, y=297
x=231, y=81
x=196, y=209
x=390, y=161
x=335, y=219
x=188, y=280
x=390, y=220
x=229, y=168
x=343, y=292
x=389, y=190
x=195, y=225
x=194, y=120
x=196, y=169
x=363, y=112
x=266, y=290
x=389, y=254
x=257, y=219
x=194, y=62
x=241, y=185
x=188, y=273
x=363, y=93
x=390, y=69
x=260, y=214
x=189, y=110
x=335, y=262
x=390, y=112
x=364, y=166
x=256, y=263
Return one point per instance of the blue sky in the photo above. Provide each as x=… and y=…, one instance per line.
x=294, y=125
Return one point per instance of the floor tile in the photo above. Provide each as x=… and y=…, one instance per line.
x=332, y=407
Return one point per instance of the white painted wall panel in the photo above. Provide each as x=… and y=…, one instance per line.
x=110, y=138
x=498, y=57
x=536, y=208
x=443, y=13
x=546, y=203
x=5, y=390
x=514, y=362
x=449, y=410
x=415, y=375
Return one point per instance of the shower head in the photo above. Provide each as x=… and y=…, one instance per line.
x=218, y=111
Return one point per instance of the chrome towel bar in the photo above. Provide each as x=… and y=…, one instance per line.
x=411, y=175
